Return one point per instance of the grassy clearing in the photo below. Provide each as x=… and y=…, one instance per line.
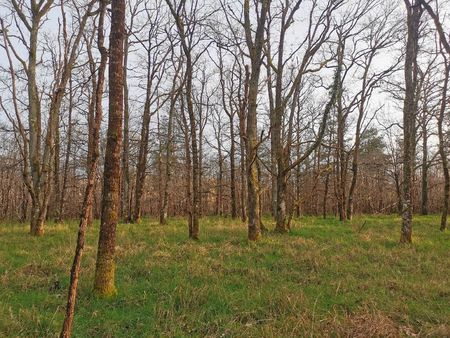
x=323, y=279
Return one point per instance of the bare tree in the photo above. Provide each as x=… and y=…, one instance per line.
x=174, y=95
x=381, y=34
x=187, y=22
x=90, y=187
x=41, y=155
x=444, y=42
x=284, y=99
x=156, y=55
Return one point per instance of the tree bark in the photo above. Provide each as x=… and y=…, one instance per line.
x=255, y=50
x=409, y=113
x=126, y=194
x=105, y=267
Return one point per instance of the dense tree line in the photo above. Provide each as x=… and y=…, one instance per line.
x=50, y=91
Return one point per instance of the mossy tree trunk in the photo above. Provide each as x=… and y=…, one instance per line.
x=105, y=267
x=255, y=47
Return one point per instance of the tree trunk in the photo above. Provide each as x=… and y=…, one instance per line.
x=126, y=195
x=194, y=233
x=188, y=160
x=56, y=173
x=105, y=267
x=167, y=167
x=62, y=196
x=355, y=163
x=254, y=231
x=280, y=216
x=340, y=156
x=243, y=145
x=409, y=113
x=34, y=122
x=37, y=218
x=442, y=148
x=232, y=170
x=326, y=188
x=219, y=177
x=424, y=201
x=255, y=49
x=200, y=203
x=141, y=166
x=398, y=190
x=92, y=113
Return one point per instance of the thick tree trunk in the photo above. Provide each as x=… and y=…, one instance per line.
x=255, y=48
x=280, y=159
x=37, y=218
x=280, y=216
x=409, y=113
x=254, y=230
x=105, y=268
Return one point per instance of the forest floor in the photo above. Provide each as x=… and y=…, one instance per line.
x=322, y=279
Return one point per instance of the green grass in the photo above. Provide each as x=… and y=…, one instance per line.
x=322, y=279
